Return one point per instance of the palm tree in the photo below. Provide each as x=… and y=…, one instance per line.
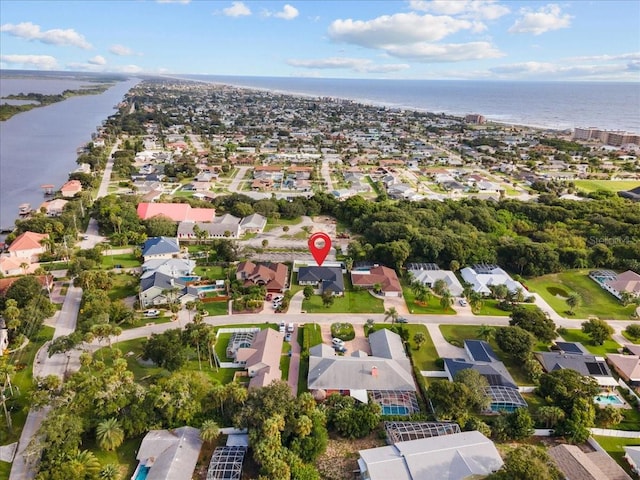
x=573, y=300
x=446, y=300
x=83, y=464
x=439, y=286
x=392, y=314
x=109, y=434
x=486, y=332
x=109, y=472
x=209, y=431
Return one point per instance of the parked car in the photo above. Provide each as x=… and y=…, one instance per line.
x=463, y=302
x=402, y=320
x=287, y=337
x=151, y=313
x=337, y=342
x=282, y=327
x=290, y=328
x=278, y=298
x=340, y=348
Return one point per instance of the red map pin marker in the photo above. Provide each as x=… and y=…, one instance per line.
x=319, y=252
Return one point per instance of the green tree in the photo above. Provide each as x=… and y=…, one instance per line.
x=515, y=341
x=165, y=349
x=633, y=330
x=519, y=424
x=477, y=397
x=527, y=462
x=391, y=313
x=608, y=416
x=109, y=434
x=535, y=321
x=599, y=330
x=550, y=416
x=573, y=300
x=109, y=472
x=446, y=300
x=307, y=291
x=209, y=431
x=565, y=385
x=486, y=332
x=327, y=298
x=419, y=338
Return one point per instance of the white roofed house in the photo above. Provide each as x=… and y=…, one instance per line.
x=483, y=276
x=254, y=223
x=430, y=273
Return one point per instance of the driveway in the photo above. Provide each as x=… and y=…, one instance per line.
x=397, y=302
x=294, y=364
x=444, y=348
x=360, y=342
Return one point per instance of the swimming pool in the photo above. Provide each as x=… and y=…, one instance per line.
x=395, y=410
x=608, y=399
x=190, y=279
x=207, y=288
x=141, y=472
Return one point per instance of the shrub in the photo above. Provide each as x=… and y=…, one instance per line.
x=343, y=331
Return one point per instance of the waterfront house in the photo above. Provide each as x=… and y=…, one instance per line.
x=53, y=208
x=28, y=246
x=71, y=188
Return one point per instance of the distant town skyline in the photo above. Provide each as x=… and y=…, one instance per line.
x=415, y=39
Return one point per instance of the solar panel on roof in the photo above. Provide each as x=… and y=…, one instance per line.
x=596, y=368
x=569, y=347
x=480, y=351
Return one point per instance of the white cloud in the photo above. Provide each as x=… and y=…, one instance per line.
x=121, y=50
x=548, y=70
x=237, y=9
x=98, y=60
x=355, y=64
x=607, y=58
x=40, y=62
x=287, y=13
x=56, y=36
x=545, y=19
x=445, y=52
x=397, y=29
x=477, y=9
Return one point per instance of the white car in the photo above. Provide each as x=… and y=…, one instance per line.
x=463, y=302
x=337, y=342
x=151, y=313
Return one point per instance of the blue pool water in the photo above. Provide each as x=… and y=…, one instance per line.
x=207, y=288
x=608, y=400
x=395, y=410
x=143, y=471
x=190, y=279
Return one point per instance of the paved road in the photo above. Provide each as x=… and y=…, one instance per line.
x=326, y=175
x=106, y=177
x=235, y=183
x=45, y=365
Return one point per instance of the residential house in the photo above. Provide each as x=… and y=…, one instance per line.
x=262, y=358
x=378, y=276
x=178, y=212
x=617, y=283
x=459, y=456
x=576, y=357
x=633, y=194
x=627, y=367
x=46, y=281
x=429, y=273
x=254, y=223
x=71, y=188
x=632, y=455
x=160, y=247
x=272, y=275
x=325, y=279
x=577, y=464
x=385, y=375
x=158, y=288
x=483, y=276
x=229, y=229
x=53, y=208
x=168, y=454
x=174, y=267
x=28, y=245
x=16, y=266
x=502, y=388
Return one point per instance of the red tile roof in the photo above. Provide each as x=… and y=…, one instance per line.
x=178, y=212
x=28, y=241
x=272, y=275
x=384, y=276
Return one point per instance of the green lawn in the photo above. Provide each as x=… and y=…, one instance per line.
x=216, y=308
x=589, y=186
x=554, y=288
x=631, y=339
x=351, y=302
x=124, y=285
x=423, y=358
x=124, y=456
x=490, y=307
x=614, y=447
x=214, y=272
x=5, y=470
x=125, y=260
x=457, y=334
x=272, y=223
x=576, y=335
x=285, y=361
x=432, y=307
x=23, y=383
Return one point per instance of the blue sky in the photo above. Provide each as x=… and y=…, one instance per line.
x=414, y=39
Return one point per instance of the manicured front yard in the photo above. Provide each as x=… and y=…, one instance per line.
x=5, y=470
x=351, y=302
x=576, y=335
x=457, y=334
x=425, y=357
x=125, y=260
x=614, y=446
x=216, y=308
x=432, y=307
x=555, y=288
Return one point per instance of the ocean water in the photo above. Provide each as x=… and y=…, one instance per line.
x=554, y=105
